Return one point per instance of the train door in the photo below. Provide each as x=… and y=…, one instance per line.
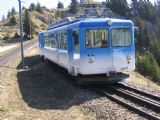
x=122, y=48
x=73, y=51
x=70, y=50
x=58, y=46
x=62, y=51
x=97, y=51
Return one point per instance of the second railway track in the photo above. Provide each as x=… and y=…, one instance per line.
x=4, y=58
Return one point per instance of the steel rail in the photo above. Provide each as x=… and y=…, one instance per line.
x=157, y=98
x=140, y=96
x=127, y=105
x=136, y=99
x=6, y=57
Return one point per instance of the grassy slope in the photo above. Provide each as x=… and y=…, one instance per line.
x=36, y=18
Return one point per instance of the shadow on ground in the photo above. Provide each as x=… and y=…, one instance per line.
x=43, y=87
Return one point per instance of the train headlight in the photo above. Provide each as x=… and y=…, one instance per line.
x=90, y=60
x=109, y=22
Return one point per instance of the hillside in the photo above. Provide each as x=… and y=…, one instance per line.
x=40, y=21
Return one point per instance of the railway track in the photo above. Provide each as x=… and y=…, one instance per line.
x=6, y=57
x=140, y=92
x=144, y=104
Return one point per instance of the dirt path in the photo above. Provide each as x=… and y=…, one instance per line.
x=5, y=48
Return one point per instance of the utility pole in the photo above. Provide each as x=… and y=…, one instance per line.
x=21, y=34
x=30, y=26
x=49, y=19
x=58, y=11
x=2, y=27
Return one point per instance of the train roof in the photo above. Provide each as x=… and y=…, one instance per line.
x=96, y=21
x=90, y=22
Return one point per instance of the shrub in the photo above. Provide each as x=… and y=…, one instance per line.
x=60, y=5
x=147, y=65
x=13, y=20
x=16, y=35
x=6, y=37
x=74, y=6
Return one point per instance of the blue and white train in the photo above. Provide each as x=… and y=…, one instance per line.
x=93, y=50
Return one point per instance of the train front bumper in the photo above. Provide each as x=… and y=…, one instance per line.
x=101, y=79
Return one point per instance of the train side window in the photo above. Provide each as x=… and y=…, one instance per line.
x=97, y=38
x=64, y=39
x=76, y=41
x=53, y=40
x=46, y=41
x=49, y=40
x=59, y=41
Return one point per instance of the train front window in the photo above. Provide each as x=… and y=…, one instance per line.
x=97, y=38
x=121, y=37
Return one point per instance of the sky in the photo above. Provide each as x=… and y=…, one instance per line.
x=8, y=4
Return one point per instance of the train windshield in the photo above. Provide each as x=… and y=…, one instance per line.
x=97, y=38
x=121, y=37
